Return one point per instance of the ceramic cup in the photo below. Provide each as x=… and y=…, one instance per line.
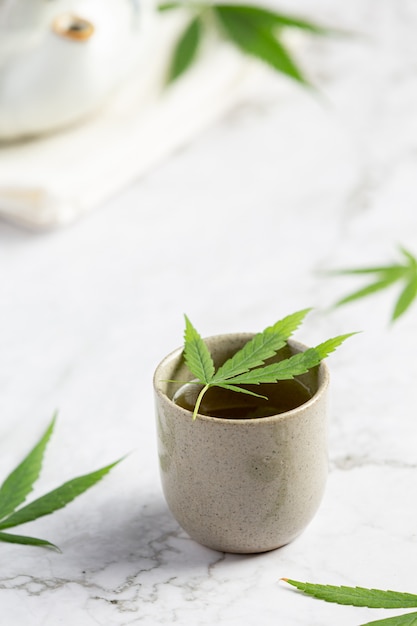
x=241, y=485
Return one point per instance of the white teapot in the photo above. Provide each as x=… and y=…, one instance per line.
x=61, y=59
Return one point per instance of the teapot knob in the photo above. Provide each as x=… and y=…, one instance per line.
x=72, y=27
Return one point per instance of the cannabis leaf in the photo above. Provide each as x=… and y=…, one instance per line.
x=357, y=596
x=196, y=354
x=254, y=30
x=407, y=619
x=254, y=37
x=293, y=366
x=19, y=484
x=404, y=273
x=263, y=346
x=247, y=366
x=186, y=49
x=361, y=596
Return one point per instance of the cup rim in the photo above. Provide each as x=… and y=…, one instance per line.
x=322, y=387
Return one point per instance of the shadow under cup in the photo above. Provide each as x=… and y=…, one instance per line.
x=242, y=485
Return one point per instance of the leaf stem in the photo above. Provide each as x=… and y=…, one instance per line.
x=199, y=399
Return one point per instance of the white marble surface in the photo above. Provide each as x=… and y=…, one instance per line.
x=235, y=231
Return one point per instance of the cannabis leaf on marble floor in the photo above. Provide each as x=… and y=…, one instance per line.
x=361, y=596
x=20, y=482
x=247, y=366
x=403, y=274
x=256, y=31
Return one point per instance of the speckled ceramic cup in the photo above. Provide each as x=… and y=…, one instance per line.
x=241, y=485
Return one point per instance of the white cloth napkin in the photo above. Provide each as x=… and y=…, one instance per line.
x=53, y=180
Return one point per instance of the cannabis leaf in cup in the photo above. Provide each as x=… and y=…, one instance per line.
x=247, y=366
